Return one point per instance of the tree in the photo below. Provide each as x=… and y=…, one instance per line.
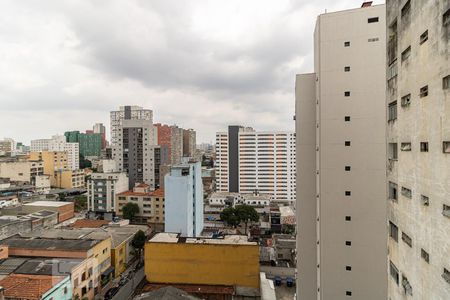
x=138, y=241
x=246, y=213
x=129, y=210
x=228, y=215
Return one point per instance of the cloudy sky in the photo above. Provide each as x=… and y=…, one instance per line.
x=198, y=64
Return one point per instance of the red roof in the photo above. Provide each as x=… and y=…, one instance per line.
x=86, y=223
x=193, y=288
x=30, y=287
x=142, y=185
x=156, y=193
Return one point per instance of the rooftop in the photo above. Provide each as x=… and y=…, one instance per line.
x=156, y=193
x=9, y=265
x=43, y=266
x=165, y=237
x=166, y=293
x=48, y=203
x=50, y=244
x=86, y=223
x=31, y=287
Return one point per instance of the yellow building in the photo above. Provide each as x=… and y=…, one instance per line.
x=56, y=166
x=119, y=258
x=231, y=260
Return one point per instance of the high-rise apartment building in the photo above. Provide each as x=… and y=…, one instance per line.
x=100, y=128
x=129, y=113
x=184, y=199
x=341, y=187
x=7, y=145
x=418, y=137
x=189, y=142
x=89, y=143
x=133, y=145
x=248, y=160
x=102, y=190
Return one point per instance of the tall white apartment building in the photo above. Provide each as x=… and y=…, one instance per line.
x=341, y=150
x=184, y=199
x=133, y=146
x=248, y=160
x=58, y=143
x=418, y=136
x=130, y=113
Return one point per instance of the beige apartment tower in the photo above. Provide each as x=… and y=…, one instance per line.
x=418, y=137
x=341, y=168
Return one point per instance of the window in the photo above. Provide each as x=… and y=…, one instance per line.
x=347, y=93
x=347, y=44
x=446, y=275
x=373, y=40
x=346, y=69
x=348, y=268
x=446, y=82
x=406, y=285
x=425, y=200
x=424, y=91
x=406, y=11
x=406, y=53
x=446, y=21
x=347, y=168
x=392, y=111
x=393, y=151
x=394, y=272
x=393, y=231
x=407, y=239
x=423, y=146
x=406, y=100
x=347, y=119
x=348, y=193
x=406, y=192
x=347, y=143
x=446, y=210
x=348, y=218
x=372, y=20
x=446, y=147
x=424, y=37
x=405, y=146
x=424, y=254
x=348, y=243
x=348, y=293
x=393, y=191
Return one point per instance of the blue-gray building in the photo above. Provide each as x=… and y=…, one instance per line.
x=184, y=199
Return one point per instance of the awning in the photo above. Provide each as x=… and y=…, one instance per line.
x=108, y=271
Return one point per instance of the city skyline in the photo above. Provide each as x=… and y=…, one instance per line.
x=66, y=66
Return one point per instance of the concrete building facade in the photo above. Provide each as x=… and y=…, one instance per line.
x=189, y=142
x=184, y=199
x=133, y=146
x=418, y=135
x=127, y=112
x=102, y=190
x=58, y=143
x=249, y=160
x=340, y=117
x=151, y=203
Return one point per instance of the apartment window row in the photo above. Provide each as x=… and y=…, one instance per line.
x=406, y=146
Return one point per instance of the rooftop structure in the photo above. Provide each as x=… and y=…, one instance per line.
x=166, y=237
x=30, y=287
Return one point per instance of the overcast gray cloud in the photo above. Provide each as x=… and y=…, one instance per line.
x=202, y=64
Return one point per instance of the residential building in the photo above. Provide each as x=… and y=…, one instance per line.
x=133, y=145
x=170, y=139
x=40, y=287
x=172, y=259
x=418, y=135
x=340, y=117
x=151, y=203
x=58, y=143
x=102, y=190
x=90, y=144
x=189, y=142
x=7, y=145
x=184, y=199
x=51, y=244
x=248, y=160
x=100, y=128
x=129, y=113
x=80, y=272
x=22, y=170
x=55, y=165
